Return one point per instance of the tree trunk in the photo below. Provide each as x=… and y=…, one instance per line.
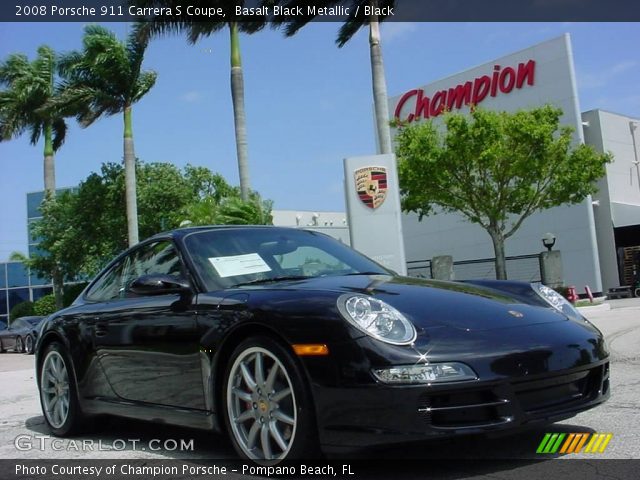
x=379, y=85
x=239, y=118
x=130, y=180
x=49, y=194
x=498, y=248
x=49, y=164
x=58, y=288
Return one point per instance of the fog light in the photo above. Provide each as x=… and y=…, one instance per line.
x=428, y=373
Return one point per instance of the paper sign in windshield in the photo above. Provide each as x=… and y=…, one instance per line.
x=235, y=265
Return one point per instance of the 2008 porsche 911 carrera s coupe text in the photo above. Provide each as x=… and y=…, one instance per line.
x=290, y=341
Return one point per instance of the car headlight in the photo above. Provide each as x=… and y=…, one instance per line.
x=427, y=373
x=377, y=319
x=556, y=300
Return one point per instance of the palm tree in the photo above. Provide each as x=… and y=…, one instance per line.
x=29, y=86
x=195, y=30
x=347, y=31
x=106, y=79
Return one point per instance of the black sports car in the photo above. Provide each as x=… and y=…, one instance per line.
x=289, y=341
x=21, y=335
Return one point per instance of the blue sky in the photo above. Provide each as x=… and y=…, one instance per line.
x=308, y=103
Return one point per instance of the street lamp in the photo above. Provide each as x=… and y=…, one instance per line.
x=549, y=240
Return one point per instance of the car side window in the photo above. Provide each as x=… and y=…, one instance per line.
x=16, y=324
x=110, y=285
x=154, y=258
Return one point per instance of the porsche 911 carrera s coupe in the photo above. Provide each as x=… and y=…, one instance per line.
x=290, y=341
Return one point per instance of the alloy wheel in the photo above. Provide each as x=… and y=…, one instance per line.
x=54, y=389
x=261, y=405
x=19, y=348
x=29, y=345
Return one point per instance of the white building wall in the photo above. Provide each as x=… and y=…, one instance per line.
x=618, y=197
x=333, y=224
x=573, y=226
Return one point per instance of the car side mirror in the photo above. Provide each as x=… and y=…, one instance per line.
x=159, y=284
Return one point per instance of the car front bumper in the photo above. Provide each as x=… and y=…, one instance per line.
x=383, y=414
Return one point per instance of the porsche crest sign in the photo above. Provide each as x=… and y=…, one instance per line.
x=371, y=185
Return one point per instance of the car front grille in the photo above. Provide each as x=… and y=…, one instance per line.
x=522, y=399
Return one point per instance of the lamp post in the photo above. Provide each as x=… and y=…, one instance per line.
x=549, y=240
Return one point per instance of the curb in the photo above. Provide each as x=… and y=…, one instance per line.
x=594, y=308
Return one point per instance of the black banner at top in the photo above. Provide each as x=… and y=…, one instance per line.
x=320, y=10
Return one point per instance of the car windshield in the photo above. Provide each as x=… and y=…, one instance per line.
x=226, y=258
x=34, y=321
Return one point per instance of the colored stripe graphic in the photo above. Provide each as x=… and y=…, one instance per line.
x=573, y=443
x=543, y=443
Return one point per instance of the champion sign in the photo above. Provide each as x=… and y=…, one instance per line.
x=502, y=80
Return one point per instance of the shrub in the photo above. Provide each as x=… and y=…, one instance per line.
x=23, y=309
x=45, y=306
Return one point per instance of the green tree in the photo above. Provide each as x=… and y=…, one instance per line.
x=231, y=210
x=83, y=229
x=195, y=29
x=26, y=89
x=351, y=26
x=495, y=168
x=106, y=79
x=59, y=238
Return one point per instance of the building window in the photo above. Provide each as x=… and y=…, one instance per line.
x=36, y=280
x=3, y=302
x=3, y=275
x=17, y=275
x=33, y=204
x=38, y=293
x=17, y=295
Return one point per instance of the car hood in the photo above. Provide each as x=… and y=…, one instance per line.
x=430, y=303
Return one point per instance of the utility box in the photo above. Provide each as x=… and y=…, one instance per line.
x=551, y=268
x=442, y=267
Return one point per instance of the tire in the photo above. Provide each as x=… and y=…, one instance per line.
x=28, y=345
x=19, y=346
x=269, y=416
x=58, y=392
x=1, y=346
x=636, y=292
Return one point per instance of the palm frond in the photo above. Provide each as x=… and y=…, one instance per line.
x=59, y=133
x=14, y=67
x=145, y=82
x=35, y=130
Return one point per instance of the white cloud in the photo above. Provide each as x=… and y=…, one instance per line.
x=391, y=31
x=191, y=96
x=603, y=77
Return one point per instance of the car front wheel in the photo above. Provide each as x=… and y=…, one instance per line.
x=19, y=347
x=58, y=392
x=268, y=408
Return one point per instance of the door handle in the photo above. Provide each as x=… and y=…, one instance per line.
x=101, y=329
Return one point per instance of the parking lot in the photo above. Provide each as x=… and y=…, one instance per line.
x=23, y=434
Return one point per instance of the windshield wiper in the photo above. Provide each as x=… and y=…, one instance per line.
x=272, y=279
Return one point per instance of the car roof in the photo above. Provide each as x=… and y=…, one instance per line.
x=183, y=232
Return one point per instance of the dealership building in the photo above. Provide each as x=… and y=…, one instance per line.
x=593, y=236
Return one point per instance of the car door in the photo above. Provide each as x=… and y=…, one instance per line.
x=10, y=335
x=148, y=346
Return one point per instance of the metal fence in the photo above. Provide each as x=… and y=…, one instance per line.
x=521, y=267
